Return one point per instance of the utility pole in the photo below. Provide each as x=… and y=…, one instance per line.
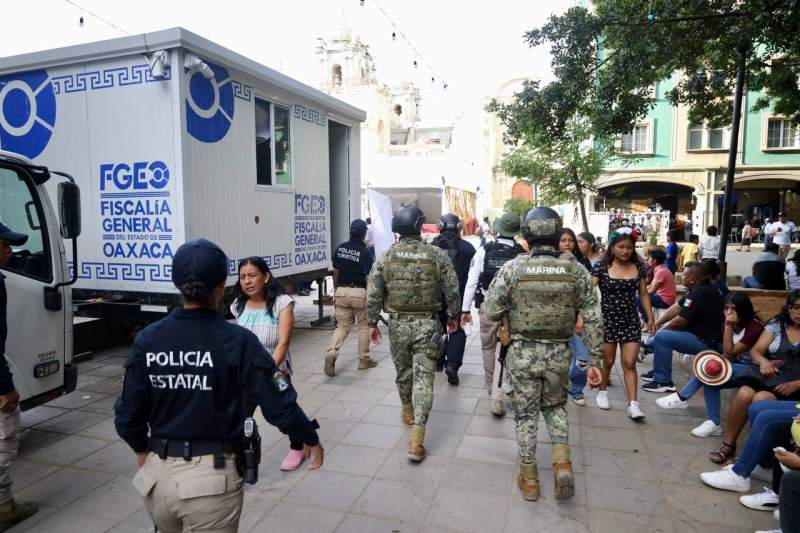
x=732, y=150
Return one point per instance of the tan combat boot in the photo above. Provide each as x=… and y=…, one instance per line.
x=16, y=511
x=407, y=415
x=416, y=450
x=528, y=481
x=562, y=472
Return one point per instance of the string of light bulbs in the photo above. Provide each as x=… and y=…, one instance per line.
x=397, y=32
x=98, y=17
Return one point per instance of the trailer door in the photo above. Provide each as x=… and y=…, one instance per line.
x=339, y=161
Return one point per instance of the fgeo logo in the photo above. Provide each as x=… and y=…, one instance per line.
x=209, y=104
x=139, y=176
x=27, y=112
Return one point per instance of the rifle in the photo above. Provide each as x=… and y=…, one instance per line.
x=504, y=336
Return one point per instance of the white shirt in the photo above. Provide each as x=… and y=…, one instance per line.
x=368, y=238
x=475, y=271
x=784, y=236
x=746, y=231
x=709, y=247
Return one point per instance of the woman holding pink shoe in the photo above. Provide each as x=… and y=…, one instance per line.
x=263, y=307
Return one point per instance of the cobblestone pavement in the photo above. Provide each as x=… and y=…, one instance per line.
x=630, y=477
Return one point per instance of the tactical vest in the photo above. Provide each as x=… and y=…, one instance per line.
x=412, y=275
x=543, y=297
x=496, y=254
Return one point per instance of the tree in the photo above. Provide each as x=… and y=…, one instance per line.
x=518, y=206
x=556, y=146
x=610, y=58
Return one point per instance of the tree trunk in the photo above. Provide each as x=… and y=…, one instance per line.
x=582, y=208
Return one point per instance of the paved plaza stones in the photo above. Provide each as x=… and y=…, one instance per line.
x=629, y=477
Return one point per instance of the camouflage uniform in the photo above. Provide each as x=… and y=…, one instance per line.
x=538, y=368
x=399, y=279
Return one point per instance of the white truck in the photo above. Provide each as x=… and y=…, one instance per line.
x=172, y=137
x=39, y=303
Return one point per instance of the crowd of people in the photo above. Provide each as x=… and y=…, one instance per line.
x=559, y=306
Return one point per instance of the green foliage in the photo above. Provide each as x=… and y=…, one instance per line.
x=607, y=61
x=518, y=206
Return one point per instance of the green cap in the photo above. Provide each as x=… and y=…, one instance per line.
x=507, y=225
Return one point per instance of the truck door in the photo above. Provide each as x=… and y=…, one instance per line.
x=35, y=335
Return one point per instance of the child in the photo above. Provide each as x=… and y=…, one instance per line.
x=689, y=252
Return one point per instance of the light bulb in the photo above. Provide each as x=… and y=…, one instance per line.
x=80, y=22
x=394, y=36
x=415, y=64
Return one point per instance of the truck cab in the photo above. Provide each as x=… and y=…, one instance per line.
x=39, y=300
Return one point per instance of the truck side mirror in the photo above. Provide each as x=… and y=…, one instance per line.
x=69, y=209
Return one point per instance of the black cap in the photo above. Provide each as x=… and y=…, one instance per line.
x=200, y=260
x=359, y=226
x=12, y=237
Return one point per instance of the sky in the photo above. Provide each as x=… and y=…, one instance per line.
x=474, y=46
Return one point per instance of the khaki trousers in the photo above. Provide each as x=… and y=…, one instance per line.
x=191, y=495
x=491, y=355
x=9, y=445
x=784, y=250
x=351, y=307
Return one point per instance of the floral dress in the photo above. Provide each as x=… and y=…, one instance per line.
x=621, y=322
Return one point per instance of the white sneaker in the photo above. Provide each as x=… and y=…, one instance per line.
x=580, y=400
x=706, y=429
x=765, y=501
x=673, y=401
x=726, y=480
x=602, y=400
x=761, y=474
x=634, y=412
x=777, y=515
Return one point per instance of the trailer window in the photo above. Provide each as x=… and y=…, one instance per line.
x=273, y=144
x=21, y=211
x=263, y=142
x=283, y=160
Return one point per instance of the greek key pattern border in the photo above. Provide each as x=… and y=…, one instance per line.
x=320, y=118
x=104, y=79
x=242, y=91
x=154, y=272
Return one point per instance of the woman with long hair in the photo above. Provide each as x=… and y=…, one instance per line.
x=741, y=331
x=620, y=276
x=567, y=242
x=779, y=342
x=588, y=246
x=263, y=307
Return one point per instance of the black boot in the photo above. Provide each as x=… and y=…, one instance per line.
x=452, y=375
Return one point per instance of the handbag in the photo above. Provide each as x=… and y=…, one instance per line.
x=788, y=371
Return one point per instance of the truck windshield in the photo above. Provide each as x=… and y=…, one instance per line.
x=21, y=211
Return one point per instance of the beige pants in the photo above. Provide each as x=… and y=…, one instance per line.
x=191, y=495
x=9, y=444
x=351, y=307
x=491, y=355
x=784, y=250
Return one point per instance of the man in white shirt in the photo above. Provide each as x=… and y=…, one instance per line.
x=781, y=233
x=485, y=264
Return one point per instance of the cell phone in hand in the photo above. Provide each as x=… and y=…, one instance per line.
x=779, y=449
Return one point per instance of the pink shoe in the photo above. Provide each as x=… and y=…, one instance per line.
x=293, y=460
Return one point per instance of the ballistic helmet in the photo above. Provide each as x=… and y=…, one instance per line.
x=408, y=220
x=541, y=224
x=449, y=222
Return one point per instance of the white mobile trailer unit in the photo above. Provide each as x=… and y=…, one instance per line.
x=172, y=137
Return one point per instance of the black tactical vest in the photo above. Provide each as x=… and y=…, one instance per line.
x=496, y=254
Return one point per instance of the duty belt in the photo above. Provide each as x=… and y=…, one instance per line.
x=187, y=449
x=418, y=314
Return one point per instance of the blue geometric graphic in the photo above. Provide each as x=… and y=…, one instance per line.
x=209, y=104
x=105, y=79
x=27, y=112
x=159, y=174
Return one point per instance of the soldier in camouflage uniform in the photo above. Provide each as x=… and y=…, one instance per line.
x=409, y=281
x=540, y=294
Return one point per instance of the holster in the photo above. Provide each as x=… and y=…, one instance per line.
x=247, y=462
